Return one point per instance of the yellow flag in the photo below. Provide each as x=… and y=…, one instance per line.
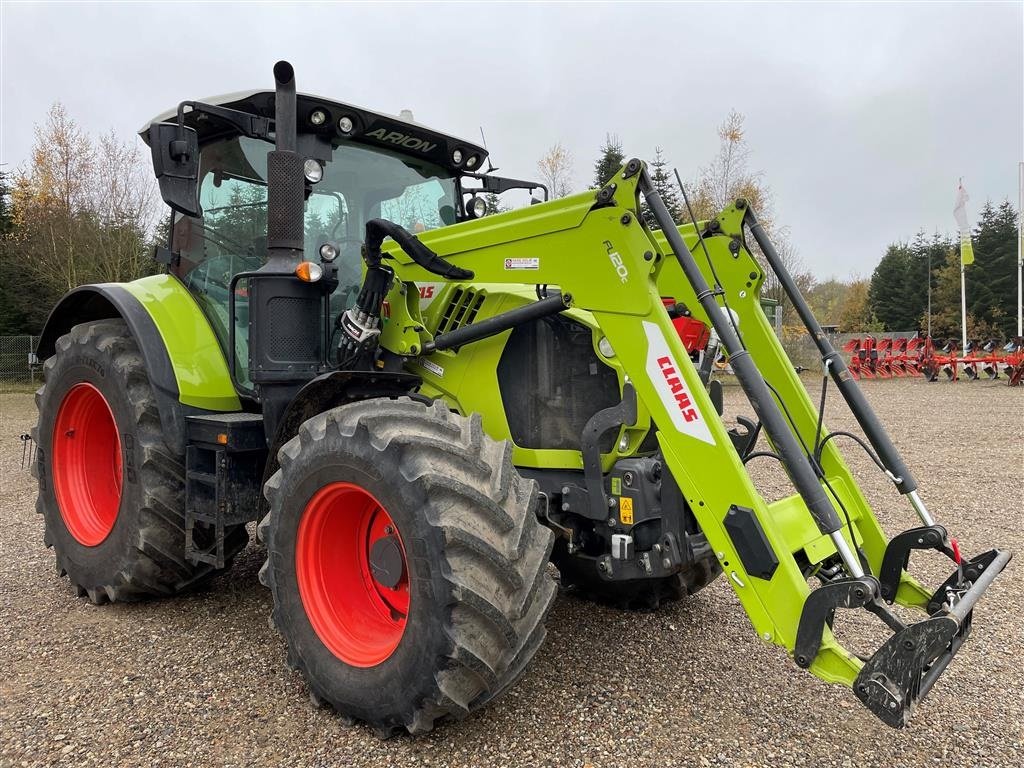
x=960, y=213
x=966, y=250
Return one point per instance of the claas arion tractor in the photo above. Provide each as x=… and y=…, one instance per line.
x=422, y=406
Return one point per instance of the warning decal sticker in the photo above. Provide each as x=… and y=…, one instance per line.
x=523, y=263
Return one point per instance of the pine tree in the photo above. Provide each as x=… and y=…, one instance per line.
x=992, y=279
x=12, y=318
x=493, y=202
x=887, y=293
x=665, y=185
x=612, y=158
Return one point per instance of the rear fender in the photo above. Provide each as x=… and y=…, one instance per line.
x=183, y=358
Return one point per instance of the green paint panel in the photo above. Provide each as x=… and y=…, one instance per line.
x=196, y=355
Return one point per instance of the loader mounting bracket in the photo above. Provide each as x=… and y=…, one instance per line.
x=624, y=412
x=820, y=609
x=897, y=554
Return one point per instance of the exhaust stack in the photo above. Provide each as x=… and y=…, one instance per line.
x=286, y=186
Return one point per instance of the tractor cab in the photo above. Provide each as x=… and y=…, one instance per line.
x=359, y=165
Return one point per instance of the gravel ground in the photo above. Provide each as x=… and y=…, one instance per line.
x=201, y=679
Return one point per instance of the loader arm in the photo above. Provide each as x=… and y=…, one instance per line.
x=596, y=250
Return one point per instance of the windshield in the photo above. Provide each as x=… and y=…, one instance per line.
x=359, y=183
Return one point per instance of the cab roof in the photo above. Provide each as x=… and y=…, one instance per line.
x=399, y=133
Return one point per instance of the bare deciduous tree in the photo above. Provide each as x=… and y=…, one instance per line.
x=730, y=177
x=84, y=212
x=555, y=169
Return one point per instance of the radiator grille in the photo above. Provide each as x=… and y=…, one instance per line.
x=461, y=310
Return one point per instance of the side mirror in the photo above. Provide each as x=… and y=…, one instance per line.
x=176, y=165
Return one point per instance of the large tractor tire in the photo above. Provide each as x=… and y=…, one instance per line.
x=406, y=562
x=111, y=492
x=580, y=577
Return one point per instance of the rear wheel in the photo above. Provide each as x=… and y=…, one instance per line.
x=407, y=566
x=111, y=491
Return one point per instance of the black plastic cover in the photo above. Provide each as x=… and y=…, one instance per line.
x=757, y=555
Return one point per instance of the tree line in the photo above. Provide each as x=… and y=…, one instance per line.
x=83, y=210
x=898, y=293
x=894, y=298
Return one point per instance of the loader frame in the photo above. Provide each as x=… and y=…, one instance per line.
x=604, y=261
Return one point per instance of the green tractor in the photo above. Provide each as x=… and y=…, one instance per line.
x=423, y=406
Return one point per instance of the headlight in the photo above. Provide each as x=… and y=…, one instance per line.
x=328, y=252
x=318, y=117
x=345, y=124
x=476, y=207
x=605, y=347
x=312, y=170
x=457, y=157
x=473, y=160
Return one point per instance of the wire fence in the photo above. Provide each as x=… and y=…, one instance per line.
x=19, y=368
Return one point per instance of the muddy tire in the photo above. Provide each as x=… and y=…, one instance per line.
x=407, y=566
x=111, y=491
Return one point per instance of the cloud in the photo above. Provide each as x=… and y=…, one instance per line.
x=862, y=116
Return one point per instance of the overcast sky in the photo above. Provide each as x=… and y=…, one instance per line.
x=860, y=116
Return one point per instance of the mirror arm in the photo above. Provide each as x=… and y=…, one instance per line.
x=250, y=125
x=499, y=184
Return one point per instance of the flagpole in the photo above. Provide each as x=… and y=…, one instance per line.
x=1020, y=241
x=929, y=293
x=963, y=308
x=966, y=256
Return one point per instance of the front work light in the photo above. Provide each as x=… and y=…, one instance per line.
x=476, y=207
x=312, y=170
x=328, y=252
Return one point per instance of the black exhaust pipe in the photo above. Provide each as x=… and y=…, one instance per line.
x=284, y=107
x=287, y=327
x=286, y=185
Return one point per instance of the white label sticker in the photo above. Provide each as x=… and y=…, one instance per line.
x=431, y=366
x=524, y=263
x=668, y=380
x=428, y=292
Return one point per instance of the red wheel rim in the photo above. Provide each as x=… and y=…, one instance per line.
x=359, y=617
x=86, y=464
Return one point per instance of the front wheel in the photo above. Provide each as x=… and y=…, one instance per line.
x=406, y=562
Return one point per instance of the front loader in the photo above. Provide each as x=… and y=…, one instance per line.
x=423, y=405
